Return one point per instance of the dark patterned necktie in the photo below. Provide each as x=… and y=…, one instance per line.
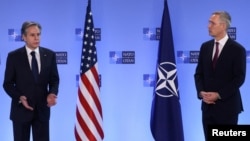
x=216, y=55
x=34, y=65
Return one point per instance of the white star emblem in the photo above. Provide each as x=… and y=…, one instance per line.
x=183, y=57
x=14, y=35
x=115, y=57
x=149, y=80
x=149, y=34
x=166, y=80
x=80, y=34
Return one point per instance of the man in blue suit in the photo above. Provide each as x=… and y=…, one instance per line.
x=31, y=98
x=218, y=84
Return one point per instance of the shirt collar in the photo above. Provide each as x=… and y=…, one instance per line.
x=223, y=40
x=29, y=50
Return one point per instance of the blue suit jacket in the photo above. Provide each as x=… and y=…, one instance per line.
x=19, y=81
x=227, y=78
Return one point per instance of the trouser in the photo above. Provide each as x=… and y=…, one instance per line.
x=40, y=130
x=211, y=119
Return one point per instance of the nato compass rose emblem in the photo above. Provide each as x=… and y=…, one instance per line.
x=167, y=80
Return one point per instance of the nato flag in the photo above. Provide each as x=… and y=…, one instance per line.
x=166, y=119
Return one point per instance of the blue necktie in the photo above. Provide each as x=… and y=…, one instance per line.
x=34, y=65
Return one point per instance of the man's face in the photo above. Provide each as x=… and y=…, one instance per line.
x=32, y=37
x=216, y=28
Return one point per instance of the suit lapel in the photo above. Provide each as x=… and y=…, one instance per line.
x=224, y=50
x=210, y=50
x=43, y=57
x=25, y=59
x=24, y=62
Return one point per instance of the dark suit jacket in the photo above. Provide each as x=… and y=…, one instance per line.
x=226, y=79
x=19, y=81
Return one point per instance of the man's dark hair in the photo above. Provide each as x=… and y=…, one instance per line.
x=28, y=24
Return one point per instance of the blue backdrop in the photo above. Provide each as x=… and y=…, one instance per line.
x=126, y=90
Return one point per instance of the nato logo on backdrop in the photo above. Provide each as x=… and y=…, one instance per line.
x=79, y=34
x=232, y=32
x=248, y=56
x=148, y=80
x=14, y=35
x=122, y=57
x=187, y=56
x=151, y=33
x=62, y=57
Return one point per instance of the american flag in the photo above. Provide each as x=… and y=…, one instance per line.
x=88, y=125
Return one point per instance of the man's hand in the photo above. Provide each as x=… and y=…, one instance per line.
x=51, y=100
x=209, y=97
x=25, y=103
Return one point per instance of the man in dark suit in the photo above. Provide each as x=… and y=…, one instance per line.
x=31, y=98
x=218, y=84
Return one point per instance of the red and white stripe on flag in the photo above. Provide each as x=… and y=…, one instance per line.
x=89, y=112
